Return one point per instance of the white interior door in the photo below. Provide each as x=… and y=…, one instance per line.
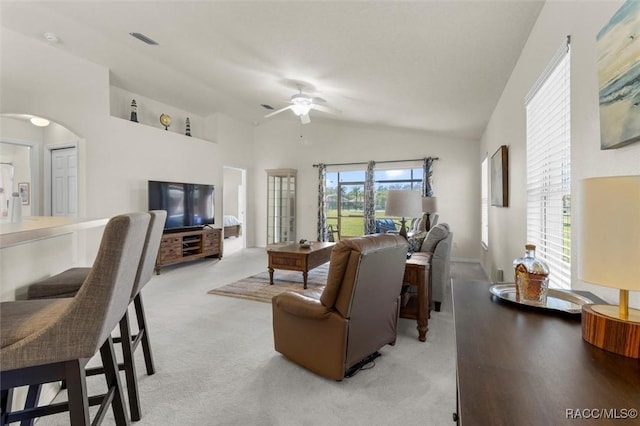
x=6, y=188
x=64, y=182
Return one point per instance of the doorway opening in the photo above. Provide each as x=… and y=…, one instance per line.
x=234, y=199
x=29, y=149
x=19, y=173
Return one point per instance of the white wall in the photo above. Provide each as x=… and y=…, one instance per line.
x=76, y=93
x=20, y=130
x=116, y=156
x=15, y=132
x=278, y=145
x=19, y=156
x=237, y=151
x=507, y=226
x=232, y=181
x=54, y=133
x=149, y=111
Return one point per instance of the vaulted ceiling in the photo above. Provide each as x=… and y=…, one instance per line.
x=438, y=66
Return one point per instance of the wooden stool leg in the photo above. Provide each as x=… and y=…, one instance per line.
x=130, y=368
x=142, y=327
x=77, y=392
x=112, y=377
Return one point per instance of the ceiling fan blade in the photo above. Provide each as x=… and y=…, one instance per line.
x=305, y=119
x=324, y=108
x=271, y=114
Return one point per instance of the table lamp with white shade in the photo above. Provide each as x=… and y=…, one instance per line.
x=610, y=255
x=429, y=206
x=403, y=204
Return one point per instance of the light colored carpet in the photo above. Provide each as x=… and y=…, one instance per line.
x=257, y=287
x=216, y=364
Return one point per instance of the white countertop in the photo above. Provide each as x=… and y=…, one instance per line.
x=33, y=228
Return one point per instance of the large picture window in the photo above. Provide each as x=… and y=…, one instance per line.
x=344, y=196
x=549, y=168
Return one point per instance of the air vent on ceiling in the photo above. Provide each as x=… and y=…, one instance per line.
x=51, y=38
x=144, y=39
x=265, y=106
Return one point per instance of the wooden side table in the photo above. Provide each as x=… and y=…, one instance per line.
x=416, y=274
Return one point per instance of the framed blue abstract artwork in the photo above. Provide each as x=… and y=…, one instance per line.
x=618, y=50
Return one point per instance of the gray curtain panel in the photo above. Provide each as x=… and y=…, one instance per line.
x=427, y=177
x=322, y=215
x=369, y=200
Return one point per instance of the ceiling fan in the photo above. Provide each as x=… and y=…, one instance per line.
x=301, y=104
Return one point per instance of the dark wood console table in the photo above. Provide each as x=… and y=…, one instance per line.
x=522, y=366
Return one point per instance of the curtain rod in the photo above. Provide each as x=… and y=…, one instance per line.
x=378, y=162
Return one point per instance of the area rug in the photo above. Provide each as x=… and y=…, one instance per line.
x=257, y=287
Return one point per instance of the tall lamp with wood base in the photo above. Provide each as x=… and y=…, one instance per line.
x=611, y=257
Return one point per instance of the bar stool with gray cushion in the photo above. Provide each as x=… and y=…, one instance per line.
x=67, y=284
x=43, y=341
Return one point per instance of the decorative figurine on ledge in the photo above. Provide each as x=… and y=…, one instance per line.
x=165, y=120
x=134, y=111
x=188, y=127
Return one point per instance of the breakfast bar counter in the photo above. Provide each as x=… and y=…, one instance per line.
x=32, y=228
x=40, y=246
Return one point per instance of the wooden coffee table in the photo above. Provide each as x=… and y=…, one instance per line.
x=292, y=257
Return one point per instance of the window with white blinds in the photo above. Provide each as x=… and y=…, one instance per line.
x=484, y=203
x=549, y=168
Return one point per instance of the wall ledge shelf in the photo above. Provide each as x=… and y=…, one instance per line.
x=134, y=123
x=149, y=110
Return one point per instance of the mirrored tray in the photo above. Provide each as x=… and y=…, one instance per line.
x=557, y=300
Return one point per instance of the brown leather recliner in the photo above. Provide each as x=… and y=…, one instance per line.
x=357, y=312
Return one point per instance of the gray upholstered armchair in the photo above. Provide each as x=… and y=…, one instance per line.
x=438, y=241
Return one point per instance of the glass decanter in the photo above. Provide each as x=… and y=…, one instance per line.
x=531, y=278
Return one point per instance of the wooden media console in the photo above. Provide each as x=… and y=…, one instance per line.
x=185, y=246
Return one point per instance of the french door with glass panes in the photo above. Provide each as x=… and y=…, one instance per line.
x=344, y=203
x=281, y=206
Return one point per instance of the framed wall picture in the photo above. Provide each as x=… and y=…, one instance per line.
x=500, y=177
x=24, y=192
x=618, y=49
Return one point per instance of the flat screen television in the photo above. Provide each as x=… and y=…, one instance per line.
x=188, y=205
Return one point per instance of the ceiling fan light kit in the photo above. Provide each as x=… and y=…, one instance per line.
x=301, y=105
